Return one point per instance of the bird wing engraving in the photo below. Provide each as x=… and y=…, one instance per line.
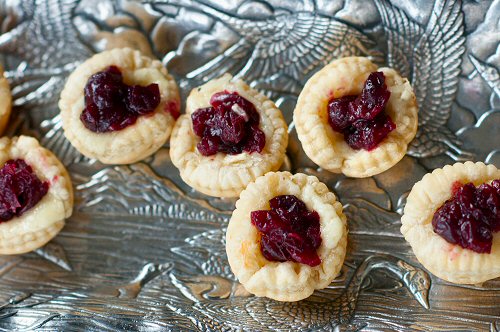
x=46, y=39
x=303, y=42
x=489, y=73
x=402, y=35
x=431, y=57
x=438, y=56
x=102, y=194
x=291, y=44
x=215, y=303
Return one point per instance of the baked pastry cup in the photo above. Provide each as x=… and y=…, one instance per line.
x=136, y=141
x=285, y=281
x=38, y=225
x=326, y=147
x=5, y=101
x=225, y=175
x=448, y=261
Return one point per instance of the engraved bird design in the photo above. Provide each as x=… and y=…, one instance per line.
x=52, y=305
x=221, y=304
x=103, y=193
x=286, y=46
x=131, y=289
x=207, y=251
x=431, y=57
x=489, y=73
x=46, y=39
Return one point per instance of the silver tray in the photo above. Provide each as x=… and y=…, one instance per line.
x=143, y=251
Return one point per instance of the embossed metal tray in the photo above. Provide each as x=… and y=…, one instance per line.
x=143, y=251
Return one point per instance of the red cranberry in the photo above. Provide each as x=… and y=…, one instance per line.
x=470, y=217
x=231, y=126
x=373, y=98
x=21, y=189
x=256, y=140
x=142, y=99
x=288, y=232
x=367, y=134
x=339, y=112
x=112, y=105
x=361, y=118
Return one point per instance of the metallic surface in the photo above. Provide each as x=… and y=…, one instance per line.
x=145, y=252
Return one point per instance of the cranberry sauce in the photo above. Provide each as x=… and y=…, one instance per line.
x=470, y=217
x=230, y=126
x=20, y=190
x=361, y=118
x=112, y=105
x=288, y=232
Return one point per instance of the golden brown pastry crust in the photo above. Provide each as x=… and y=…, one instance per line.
x=224, y=175
x=327, y=148
x=285, y=281
x=134, y=142
x=5, y=101
x=41, y=223
x=443, y=259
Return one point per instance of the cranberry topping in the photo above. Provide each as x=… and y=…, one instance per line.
x=112, y=105
x=361, y=118
x=470, y=217
x=288, y=232
x=21, y=189
x=231, y=126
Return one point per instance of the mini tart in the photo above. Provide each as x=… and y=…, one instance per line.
x=326, y=147
x=42, y=222
x=136, y=141
x=5, y=101
x=285, y=281
x=224, y=175
x=445, y=260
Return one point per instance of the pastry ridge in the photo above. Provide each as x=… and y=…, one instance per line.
x=5, y=101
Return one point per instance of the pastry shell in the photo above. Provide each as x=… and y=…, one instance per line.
x=326, y=147
x=443, y=259
x=136, y=141
x=5, y=101
x=285, y=281
x=42, y=222
x=224, y=175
